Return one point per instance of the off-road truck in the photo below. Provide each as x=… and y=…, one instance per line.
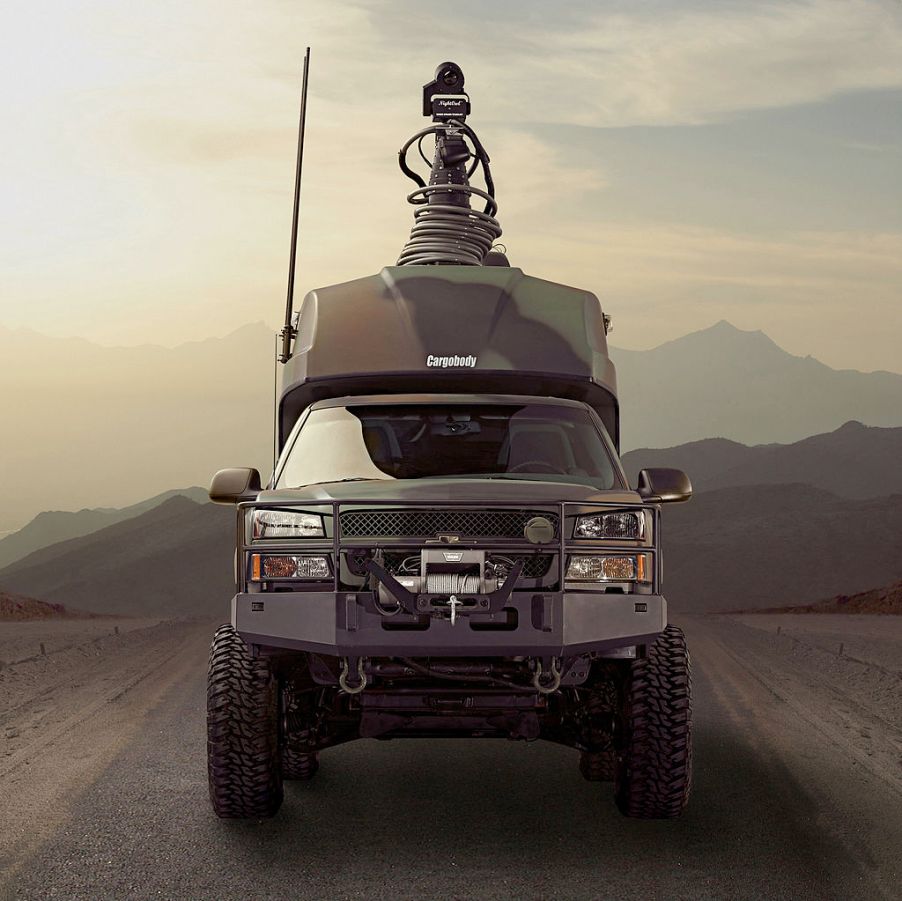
x=448, y=545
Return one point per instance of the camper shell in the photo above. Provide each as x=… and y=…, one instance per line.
x=450, y=329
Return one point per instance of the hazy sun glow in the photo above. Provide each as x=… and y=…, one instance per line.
x=688, y=162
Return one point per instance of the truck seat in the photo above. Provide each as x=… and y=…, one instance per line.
x=539, y=443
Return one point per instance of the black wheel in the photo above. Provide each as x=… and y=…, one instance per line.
x=299, y=765
x=598, y=766
x=243, y=763
x=654, y=767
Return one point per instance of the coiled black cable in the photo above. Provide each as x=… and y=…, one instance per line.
x=450, y=233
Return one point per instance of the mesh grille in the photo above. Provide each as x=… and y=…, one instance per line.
x=429, y=523
x=535, y=566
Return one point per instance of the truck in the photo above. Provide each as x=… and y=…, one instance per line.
x=448, y=545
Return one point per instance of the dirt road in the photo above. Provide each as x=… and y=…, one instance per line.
x=792, y=799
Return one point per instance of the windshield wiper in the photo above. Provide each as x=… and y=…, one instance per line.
x=350, y=479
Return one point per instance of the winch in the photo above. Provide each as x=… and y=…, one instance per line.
x=450, y=582
x=460, y=572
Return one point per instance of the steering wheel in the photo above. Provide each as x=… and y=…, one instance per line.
x=546, y=466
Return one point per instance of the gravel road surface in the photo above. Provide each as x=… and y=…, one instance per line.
x=791, y=799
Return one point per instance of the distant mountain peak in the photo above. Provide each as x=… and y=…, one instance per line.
x=722, y=335
x=726, y=342
x=723, y=325
x=725, y=329
x=853, y=425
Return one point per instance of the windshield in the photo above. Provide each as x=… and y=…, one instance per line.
x=533, y=441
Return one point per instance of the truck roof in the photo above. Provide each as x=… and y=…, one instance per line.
x=435, y=398
x=450, y=330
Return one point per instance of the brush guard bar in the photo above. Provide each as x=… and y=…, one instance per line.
x=544, y=618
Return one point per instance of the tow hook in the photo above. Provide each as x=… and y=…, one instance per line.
x=547, y=688
x=346, y=686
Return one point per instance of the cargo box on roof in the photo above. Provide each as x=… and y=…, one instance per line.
x=461, y=329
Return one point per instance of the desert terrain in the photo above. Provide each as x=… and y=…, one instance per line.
x=798, y=783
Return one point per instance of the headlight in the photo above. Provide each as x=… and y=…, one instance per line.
x=598, y=568
x=288, y=566
x=611, y=525
x=287, y=524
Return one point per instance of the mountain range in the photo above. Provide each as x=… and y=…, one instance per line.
x=767, y=545
x=89, y=426
x=734, y=546
x=176, y=559
x=855, y=461
x=54, y=526
x=723, y=382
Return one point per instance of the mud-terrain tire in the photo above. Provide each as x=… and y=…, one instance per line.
x=299, y=765
x=654, y=767
x=243, y=765
x=598, y=766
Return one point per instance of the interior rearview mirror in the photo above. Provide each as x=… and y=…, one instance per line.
x=664, y=486
x=229, y=486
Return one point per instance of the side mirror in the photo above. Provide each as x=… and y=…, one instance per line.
x=229, y=486
x=664, y=486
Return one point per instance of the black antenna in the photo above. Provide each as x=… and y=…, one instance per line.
x=275, y=406
x=289, y=331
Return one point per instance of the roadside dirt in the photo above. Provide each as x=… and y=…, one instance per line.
x=833, y=722
x=797, y=787
x=874, y=639
x=22, y=640
x=64, y=716
x=845, y=670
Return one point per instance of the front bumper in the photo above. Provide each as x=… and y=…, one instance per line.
x=344, y=624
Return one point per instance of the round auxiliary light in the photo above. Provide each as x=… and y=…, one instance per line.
x=539, y=530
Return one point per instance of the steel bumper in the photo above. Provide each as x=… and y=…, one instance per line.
x=556, y=624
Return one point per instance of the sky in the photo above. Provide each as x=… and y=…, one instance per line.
x=687, y=161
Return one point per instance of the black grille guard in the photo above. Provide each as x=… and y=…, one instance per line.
x=336, y=543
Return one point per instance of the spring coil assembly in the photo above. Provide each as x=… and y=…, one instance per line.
x=453, y=583
x=447, y=234
x=446, y=230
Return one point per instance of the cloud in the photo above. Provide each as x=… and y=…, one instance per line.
x=616, y=64
x=684, y=65
x=831, y=293
x=149, y=170
x=598, y=65
x=613, y=257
